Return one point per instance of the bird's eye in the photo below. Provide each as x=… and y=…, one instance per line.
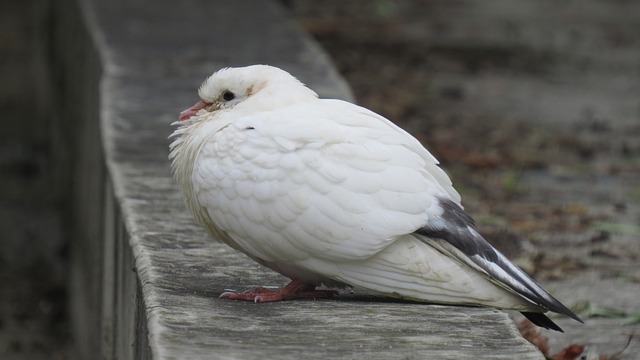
x=228, y=95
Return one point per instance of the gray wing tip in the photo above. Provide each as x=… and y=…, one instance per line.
x=558, y=307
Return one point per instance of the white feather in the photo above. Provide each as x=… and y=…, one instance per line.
x=321, y=190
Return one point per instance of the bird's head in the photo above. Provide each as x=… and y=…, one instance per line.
x=228, y=87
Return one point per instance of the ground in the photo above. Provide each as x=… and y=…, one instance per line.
x=533, y=109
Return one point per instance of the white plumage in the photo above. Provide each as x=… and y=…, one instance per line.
x=327, y=192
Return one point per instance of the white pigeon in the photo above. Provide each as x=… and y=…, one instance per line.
x=327, y=192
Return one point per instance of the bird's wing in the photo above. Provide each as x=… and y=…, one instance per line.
x=324, y=179
x=453, y=233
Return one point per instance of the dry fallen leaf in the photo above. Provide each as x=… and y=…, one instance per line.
x=570, y=352
x=533, y=335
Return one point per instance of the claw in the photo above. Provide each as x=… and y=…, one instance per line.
x=294, y=290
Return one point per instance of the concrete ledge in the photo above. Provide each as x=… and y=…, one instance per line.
x=145, y=277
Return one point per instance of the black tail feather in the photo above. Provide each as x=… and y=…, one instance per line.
x=541, y=320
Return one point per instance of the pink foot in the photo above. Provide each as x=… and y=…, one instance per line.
x=293, y=290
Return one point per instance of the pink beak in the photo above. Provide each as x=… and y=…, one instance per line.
x=188, y=113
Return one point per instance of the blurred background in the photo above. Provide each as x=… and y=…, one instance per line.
x=533, y=108
x=33, y=316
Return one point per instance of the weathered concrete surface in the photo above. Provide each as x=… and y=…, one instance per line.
x=165, y=272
